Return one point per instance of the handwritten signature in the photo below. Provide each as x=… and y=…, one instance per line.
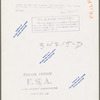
x=64, y=43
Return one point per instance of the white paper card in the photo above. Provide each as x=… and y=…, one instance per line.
x=50, y=50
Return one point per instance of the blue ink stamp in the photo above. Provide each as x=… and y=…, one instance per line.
x=77, y=81
x=20, y=29
x=47, y=56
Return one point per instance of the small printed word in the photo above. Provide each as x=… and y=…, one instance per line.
x=66, y=44
x=77, y=81
x=47, y=56
x=20, y=29
x=91, y=11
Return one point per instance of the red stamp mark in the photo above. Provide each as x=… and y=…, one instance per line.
x=91, y=10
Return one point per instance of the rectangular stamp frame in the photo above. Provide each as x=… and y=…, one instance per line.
x=55, y=17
